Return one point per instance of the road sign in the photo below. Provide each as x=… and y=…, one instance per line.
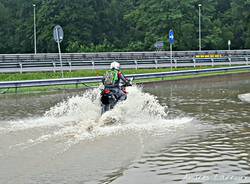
x=58, y=33
x=171, y=36
x=171, y=41
x=58, y=37
x=159, y=45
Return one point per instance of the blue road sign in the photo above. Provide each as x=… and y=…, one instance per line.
x=171, y=36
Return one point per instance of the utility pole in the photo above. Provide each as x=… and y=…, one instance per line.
x=34, y=6
x=200, y=27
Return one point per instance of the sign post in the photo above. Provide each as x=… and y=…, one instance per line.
x=171, y=41
x=58, y=37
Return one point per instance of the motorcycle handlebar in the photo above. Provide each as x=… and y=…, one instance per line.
x=128, y=83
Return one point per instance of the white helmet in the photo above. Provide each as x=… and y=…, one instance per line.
x=115, y=65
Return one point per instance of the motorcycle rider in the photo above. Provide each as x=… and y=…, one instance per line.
x=112, y=78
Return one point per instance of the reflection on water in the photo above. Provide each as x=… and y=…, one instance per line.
x=14, y=106
x=204, y=138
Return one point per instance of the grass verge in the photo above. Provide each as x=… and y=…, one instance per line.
x=80, y=73
x=85, y=73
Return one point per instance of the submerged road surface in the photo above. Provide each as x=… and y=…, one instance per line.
x=190, y=131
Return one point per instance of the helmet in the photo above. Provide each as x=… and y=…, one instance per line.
x=115, y=65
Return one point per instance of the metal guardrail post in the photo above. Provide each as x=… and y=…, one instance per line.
x=21, y=67
x=156, y=64
x=212, y=62
x=136, y=65
x=230, y=61
x=93, y=65
x=175, y=62
x=54, y=67
x=194, y=62
x=246, y=60
x=69, y=66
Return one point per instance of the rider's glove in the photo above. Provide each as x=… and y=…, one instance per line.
x=128, y=83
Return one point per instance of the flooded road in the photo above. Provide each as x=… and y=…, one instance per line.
x=189, y=131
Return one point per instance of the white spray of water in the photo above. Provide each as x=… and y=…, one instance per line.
x=73, y=118
x=244, y=97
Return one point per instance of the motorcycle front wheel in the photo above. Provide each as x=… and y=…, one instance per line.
x=105, y=108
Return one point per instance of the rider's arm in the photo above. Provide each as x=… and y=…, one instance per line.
x=103, y=80
x=122, y=77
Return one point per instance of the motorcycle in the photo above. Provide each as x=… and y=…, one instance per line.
x=111, y=96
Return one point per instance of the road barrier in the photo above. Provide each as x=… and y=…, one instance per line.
x=78, y=61
x=77, y=81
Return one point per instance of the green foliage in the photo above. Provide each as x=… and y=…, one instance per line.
x=123, y=25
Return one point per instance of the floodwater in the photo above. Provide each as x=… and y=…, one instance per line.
x=188, y=131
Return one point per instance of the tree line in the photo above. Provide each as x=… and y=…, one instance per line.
x=123, y=25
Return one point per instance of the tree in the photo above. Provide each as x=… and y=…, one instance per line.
x=123, y=25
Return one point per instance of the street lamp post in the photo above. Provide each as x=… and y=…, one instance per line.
x=229, y=44
x=200, y=27
x=34, y=6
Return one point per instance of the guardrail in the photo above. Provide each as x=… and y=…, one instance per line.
x=53, y=66
x=77, y=61
x=121, y=55
x=76, y=81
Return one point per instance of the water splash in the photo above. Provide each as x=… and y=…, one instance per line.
x=244, y=97
x=79, y=118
